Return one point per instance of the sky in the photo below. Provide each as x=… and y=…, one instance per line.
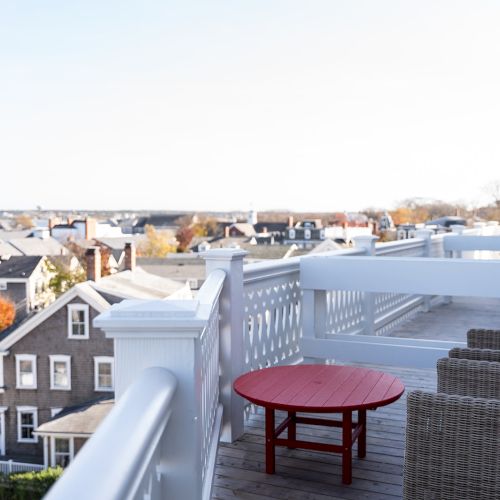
x=230, y=105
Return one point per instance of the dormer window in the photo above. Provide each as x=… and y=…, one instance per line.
x=291, y=234
x=78, y=321
x=307, y=234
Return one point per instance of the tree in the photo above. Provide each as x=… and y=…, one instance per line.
x=184, y=236
x=156, y=244
x=492, y=189
x=64, y=278
x=7, y=312
x=25, y=221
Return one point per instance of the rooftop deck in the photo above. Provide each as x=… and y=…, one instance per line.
x=302, y=474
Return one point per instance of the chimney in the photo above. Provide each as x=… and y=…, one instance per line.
x=129, y=256
x=90, y=228
x=226, y=231
x=93, y=258
x=290, y=221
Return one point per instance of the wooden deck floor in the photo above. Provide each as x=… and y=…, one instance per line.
x=308, y=475
x=312, y=475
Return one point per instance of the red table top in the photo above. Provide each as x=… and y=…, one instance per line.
x=319, y=388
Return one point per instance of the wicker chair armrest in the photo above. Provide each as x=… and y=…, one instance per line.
x=452, y=447
x=478, y=338
x=475, y=354
x=464, y=377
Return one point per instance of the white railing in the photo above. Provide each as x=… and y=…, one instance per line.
x=272, y=302
x=10, y=467
x=245, y=318
x=160, y=346
x=414, y=276
x=125, y=459
x=208, y=353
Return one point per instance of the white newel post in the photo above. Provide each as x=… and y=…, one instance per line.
x=367, y=242
x=164, y=334
x=231, y=336
x=426, y=235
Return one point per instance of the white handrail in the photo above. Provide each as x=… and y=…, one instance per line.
x=129, y=436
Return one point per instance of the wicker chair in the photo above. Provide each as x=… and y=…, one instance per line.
x=483, y=339
x=452, y=447
x=453, y=437
x=475, y=354
x=480, y=379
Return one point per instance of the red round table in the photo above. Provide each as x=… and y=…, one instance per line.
x=318, y=389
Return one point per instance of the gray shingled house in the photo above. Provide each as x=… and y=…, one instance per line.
x=56, y=360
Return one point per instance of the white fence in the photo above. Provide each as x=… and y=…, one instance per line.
x=10, y=467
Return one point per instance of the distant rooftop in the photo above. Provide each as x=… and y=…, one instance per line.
x=18, y=266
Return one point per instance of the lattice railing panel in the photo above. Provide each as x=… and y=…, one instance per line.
x=209, y=351
x=272, y=321
x=344, y=311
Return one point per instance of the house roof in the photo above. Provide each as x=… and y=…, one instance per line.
x=38, y=246
x=244, y=228
x=7, y=249
x=326, y=246
x=82, y=419
x=82, y=290
x=139, y=284
x=159, y=220
x=18, y=266
x=272, y=227
x=177, y=269
x=10, y=235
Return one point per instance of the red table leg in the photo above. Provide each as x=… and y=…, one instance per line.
x=347, y=447
x=292, y=427
x=270, y=441
x=362, y=435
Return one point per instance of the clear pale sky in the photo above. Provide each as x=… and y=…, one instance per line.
x=304, y=105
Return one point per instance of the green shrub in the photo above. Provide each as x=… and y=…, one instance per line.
x=28, y=485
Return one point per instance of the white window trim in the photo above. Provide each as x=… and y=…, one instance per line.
x=97, y=361
x=25, y=357
x=85, y=309
x=54, y=412
x=60, y=358
x=53, y=448
x=27, y=409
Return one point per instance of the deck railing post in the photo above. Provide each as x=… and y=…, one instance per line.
x=165, y=334
x=426, y=235
x=231, y=336
x=368, y=243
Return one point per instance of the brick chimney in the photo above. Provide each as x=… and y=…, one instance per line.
x=93, y=259
x=129, y=256
x=90, y=228
x=290, y=221
x=227, y=231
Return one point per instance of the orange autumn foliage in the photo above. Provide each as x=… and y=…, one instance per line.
x=7, y=313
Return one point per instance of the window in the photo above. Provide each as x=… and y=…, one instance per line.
x=291, y=234
x=307, y=234
x=25, y=371
x=62, y=452
x=60, y=372
x=78, y=321
x=104, y=373
x=27, y=422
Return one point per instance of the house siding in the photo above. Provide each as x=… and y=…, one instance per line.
x=49, y=338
